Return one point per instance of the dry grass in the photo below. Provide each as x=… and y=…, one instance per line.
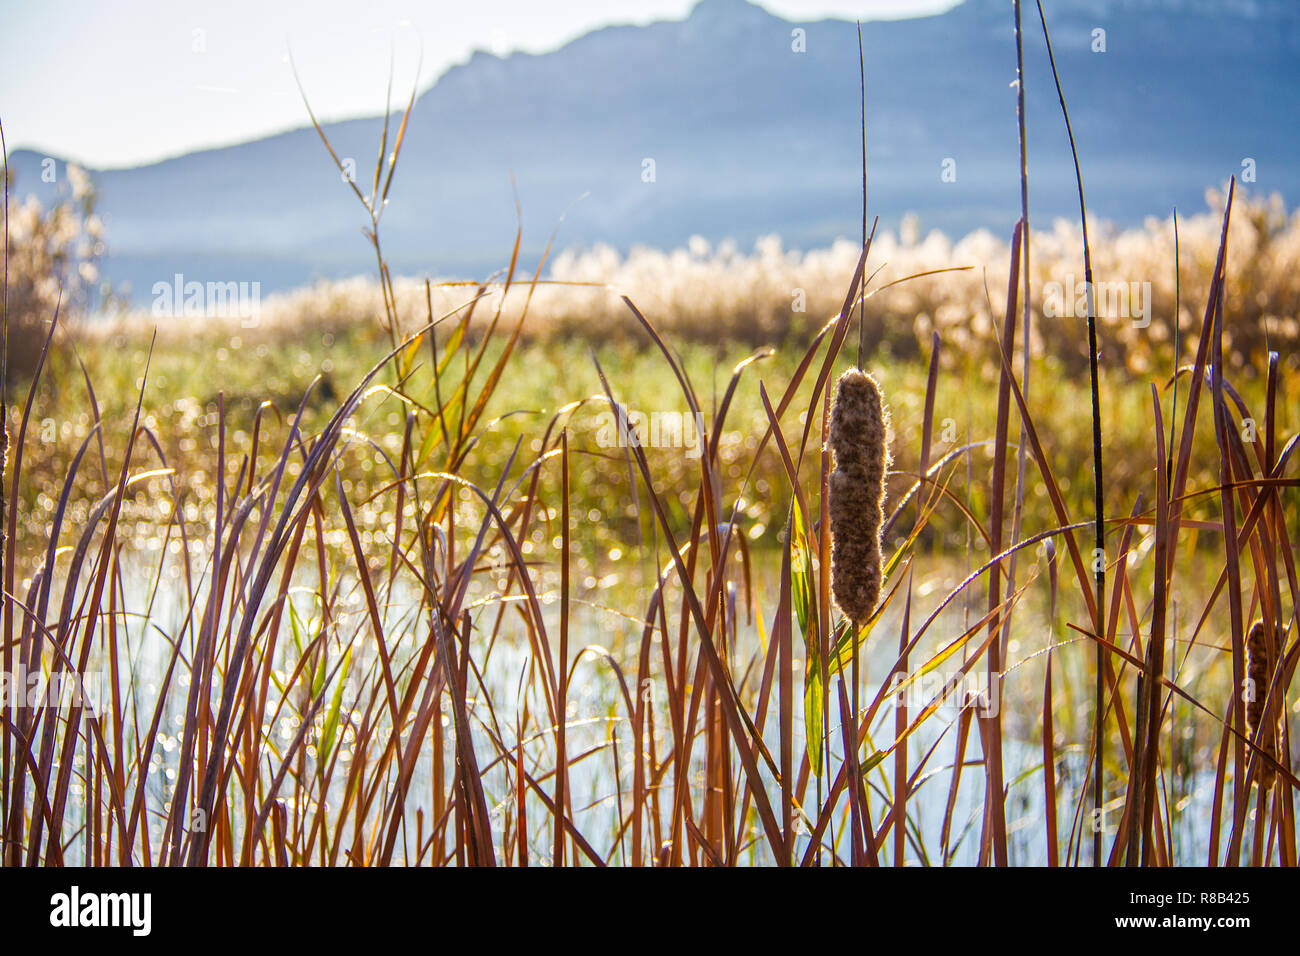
x=771, y=294
x=286, y=688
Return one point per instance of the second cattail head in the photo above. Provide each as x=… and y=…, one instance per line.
x=859, y=441
x=1261, y=659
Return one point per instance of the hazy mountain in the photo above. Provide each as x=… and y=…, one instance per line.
x=747, y=136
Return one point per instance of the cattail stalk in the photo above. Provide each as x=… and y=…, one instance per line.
x=1260, y=661
x=858, y=429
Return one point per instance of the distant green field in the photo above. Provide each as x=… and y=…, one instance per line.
x=188, y=375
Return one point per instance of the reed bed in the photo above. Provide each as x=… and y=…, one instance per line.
x=283, y=686
x=772, y=295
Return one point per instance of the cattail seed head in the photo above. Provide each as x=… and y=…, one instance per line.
x=859, y=441
x=1260, y=661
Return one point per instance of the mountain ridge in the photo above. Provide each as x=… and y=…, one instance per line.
x=747, y=137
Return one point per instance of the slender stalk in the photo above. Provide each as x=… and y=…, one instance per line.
x=1026, y=323
x=862, y=76
x=1099, y=530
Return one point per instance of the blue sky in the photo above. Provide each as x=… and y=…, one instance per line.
x=127, y=83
